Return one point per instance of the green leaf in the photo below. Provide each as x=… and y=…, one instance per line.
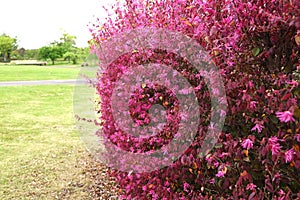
x=218, y=146
x=274, y=119
x=256, y=51
x=297, y=92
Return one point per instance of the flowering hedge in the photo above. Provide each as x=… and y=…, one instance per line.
x=255, y=45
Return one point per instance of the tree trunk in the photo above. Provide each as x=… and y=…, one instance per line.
x=8, y=56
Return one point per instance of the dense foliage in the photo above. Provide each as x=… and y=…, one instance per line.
x=64, y=48
x=7, y=46
x=255, y=45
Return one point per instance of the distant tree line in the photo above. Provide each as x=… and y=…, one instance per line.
x=65, y=48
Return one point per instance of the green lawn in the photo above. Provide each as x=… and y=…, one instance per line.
x=41, y=154
x=20, y=72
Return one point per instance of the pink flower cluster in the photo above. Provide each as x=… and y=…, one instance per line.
x=247, y=144
x=285, y=116
x=255, y=46
x=274, y=145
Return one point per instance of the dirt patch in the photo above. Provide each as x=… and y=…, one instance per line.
x=93, y=182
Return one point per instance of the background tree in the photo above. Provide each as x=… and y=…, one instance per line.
x=52, y=52
x=31, y=54
x=21, y=52
x=7, y=45
x=76, y=54
x=64, y=48
x=18, y=54
x=83, y=53
x=71, y=56
x=67, y=42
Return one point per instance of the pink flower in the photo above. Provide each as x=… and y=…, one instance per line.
x=251, y=84
x=273, y=140
x=167, y=184
x=250, y=186
x=216, y=164
x=289, y=155
x=257, y=127
x=285, y=116
x=281, y=193
x=293, y=83
x=253, y=105
x=144, y=188
x=275, y=148
x=274, y=145
x=209, y=159
x=247, y=144
x=186, y=186
x=297, y=136
x=220, y=174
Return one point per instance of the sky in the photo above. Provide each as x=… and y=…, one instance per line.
x=36, y=23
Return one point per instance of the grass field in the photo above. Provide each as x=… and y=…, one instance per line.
x=41, y=154
x=26, y=73
x=17, y=73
